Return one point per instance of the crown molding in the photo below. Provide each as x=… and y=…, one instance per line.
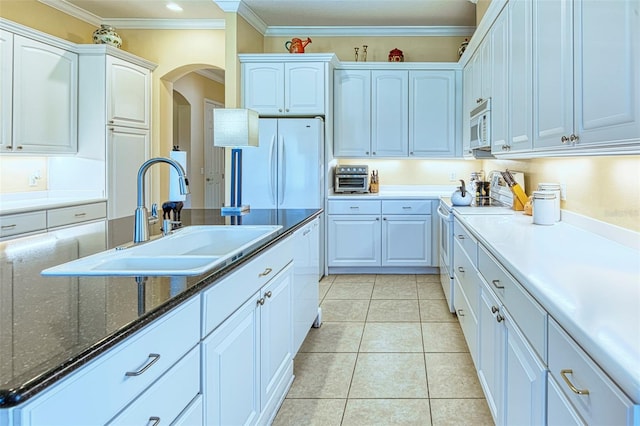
x=74, y=11
x=239, y=7
x=388, y=31
x=166, y=24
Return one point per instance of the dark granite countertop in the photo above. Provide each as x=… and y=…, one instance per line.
x=51, y=326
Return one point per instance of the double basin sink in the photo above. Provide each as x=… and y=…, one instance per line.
x=192, y=250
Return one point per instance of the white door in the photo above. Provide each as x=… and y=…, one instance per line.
x=213, y=161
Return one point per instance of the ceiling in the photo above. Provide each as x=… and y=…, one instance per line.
x=273, y=14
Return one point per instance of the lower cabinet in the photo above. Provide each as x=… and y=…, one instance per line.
x=386, y=233
x=247, y=360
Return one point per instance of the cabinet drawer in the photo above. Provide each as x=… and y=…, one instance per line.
x=354, y=207
x=406, y=207
x=15, y=224
x=525, y=311
x=73, y=401
x=467, y=275
x=466, y=240
x=168, y=397
x=227, y=295
x=605, y=403
x=75, y=214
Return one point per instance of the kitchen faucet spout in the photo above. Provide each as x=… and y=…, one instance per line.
x=141, y=220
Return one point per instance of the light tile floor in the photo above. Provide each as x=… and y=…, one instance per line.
x=389, y=352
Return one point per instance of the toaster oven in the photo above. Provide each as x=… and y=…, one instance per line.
x=351, y=179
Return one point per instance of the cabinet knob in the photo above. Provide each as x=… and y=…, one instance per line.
x=411, y=153
x=279, y=109
x=261, y=301
x=377, y=218
x=574, y=389
x=268, y=294
x=479, y=100
x=373, y=153
x=499, y=318
x=9, y=147
x=384, y=218
x=564, y=139
x=287, y=110
x=494, y=309
x=19, y=146
x=573, y=138
x=111, y=121
x=367, y=152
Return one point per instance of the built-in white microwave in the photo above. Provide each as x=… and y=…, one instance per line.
x=480, y=126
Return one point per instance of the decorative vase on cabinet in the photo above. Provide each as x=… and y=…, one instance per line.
x=106, y=34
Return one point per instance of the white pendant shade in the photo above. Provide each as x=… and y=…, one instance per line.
x=235, y=127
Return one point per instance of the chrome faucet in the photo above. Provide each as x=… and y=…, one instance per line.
x=141, y=224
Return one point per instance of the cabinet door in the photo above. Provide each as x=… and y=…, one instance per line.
x=45, y=98
x=276, y=338
x=231, y=359
x=607, y=71
x=128, y=94
x=6, y=92
x=304, y=88
x=525, y=380
x=467, y=105
x=520, y=69
x=389, y=113
x=432, y=113
x=476, y=77
x=406, y=240
x=485, y=52
x=499, y=82
x=127, y=149
x=553, y=73
x=559, y=409
x=491, y=351
x=352, y=113
x=263, y=87
x=354, y=240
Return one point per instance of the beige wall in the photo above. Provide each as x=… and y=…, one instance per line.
x=195, y=89
x=414, y=49
x=481, y=9
x=16, y=171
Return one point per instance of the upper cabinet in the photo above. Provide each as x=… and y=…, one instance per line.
x=128, y=94
x=39, y=96
x=383, y=112
x=285, y=85
x=587, y=75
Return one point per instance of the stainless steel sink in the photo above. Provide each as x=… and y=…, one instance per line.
x=192, y=250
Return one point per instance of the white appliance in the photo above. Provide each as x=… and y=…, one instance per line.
x=480, y=126
x=286, y=170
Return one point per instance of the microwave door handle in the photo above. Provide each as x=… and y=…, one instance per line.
x=478, y=131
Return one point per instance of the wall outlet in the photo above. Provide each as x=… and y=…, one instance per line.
x=563, y=191
x=453, y=177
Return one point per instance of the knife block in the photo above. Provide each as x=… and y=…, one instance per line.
x=373, y=187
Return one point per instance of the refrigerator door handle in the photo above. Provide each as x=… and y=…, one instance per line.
x=283, y=170
x=272, y=168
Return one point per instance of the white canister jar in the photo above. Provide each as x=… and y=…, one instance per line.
x=544, y=208
x=555, y=188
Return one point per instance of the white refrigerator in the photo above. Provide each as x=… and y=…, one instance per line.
x=286, y=170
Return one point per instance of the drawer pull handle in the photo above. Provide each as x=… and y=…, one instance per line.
x=494, y=309
x=461, y=237
x=306, y=232
x=261, y=301
x=154, y=358
x=499, y=318
x=574, y=389
x=268, y=294
x=461, y=269
x=406, y=207
x=9, y=226
x=354, y=207
x=265, y=272
x=155, y=420
x=80, y=214
x=495, y=284
x=460, y=314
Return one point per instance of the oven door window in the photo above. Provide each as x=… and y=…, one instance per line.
x=352, y=182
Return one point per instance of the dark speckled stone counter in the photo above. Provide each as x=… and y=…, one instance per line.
x=51, y=326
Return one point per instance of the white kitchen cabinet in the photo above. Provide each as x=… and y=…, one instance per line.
x=559, y=410
x=386, y=233
x=491, y=351
x=520, y=76
x=101, y=389
x=306, y=266
x=433, y=113
x=12, y=225
x=467, y=104
x=352, y=113
x=127, y=149
x=389, y=113
x=586, y=64
x=44, y=104
x=128, y=94
x=286, y=88
x=499, y=39
x=6, y=92
x=248, y=358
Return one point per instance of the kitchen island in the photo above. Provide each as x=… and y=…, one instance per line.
x=98, y=312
